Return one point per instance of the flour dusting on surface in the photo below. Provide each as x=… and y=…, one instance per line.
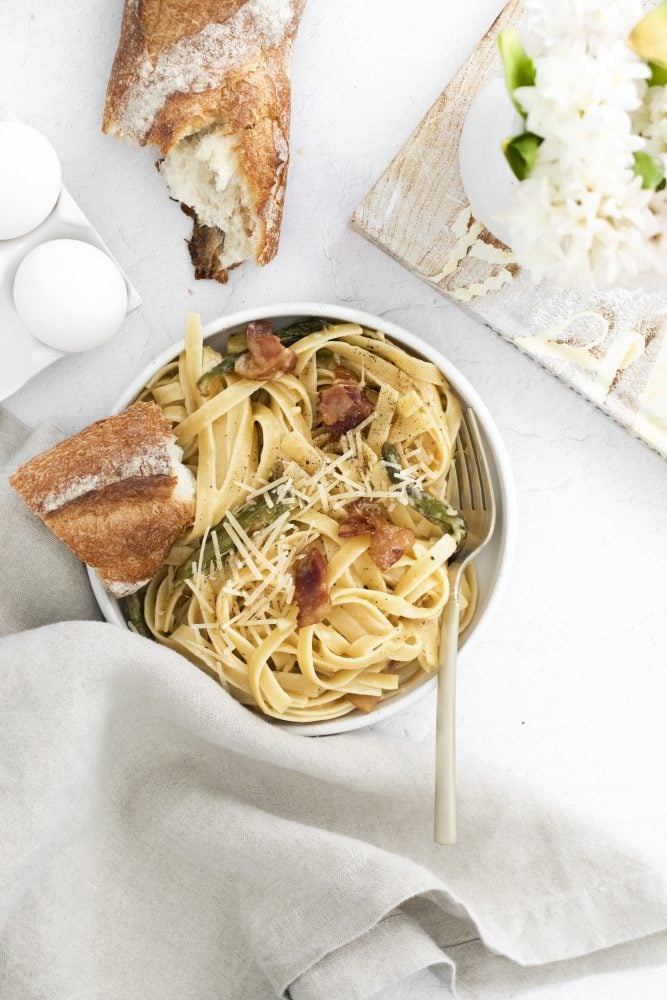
x=148, y=460
x=200, y=62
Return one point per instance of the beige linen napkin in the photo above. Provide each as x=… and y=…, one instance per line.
x=40, y=582
x=159, y=841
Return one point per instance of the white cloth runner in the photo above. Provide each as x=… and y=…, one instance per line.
x=159, y=841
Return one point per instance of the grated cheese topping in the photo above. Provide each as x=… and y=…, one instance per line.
x=255, y=581
x=253, y=586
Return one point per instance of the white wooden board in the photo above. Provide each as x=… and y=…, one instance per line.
x=610, y=346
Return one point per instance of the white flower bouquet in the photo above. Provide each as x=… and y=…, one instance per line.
x=589, y=79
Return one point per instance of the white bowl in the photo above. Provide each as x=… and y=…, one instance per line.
x=492, y=565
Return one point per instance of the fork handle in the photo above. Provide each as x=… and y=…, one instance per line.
x=445, y=736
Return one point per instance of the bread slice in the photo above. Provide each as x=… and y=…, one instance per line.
x=208, y=83
x=117, y=493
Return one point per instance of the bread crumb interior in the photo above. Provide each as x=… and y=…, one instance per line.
x=203, y=171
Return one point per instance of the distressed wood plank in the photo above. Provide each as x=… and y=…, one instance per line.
x=610, y=347
x=417, y=211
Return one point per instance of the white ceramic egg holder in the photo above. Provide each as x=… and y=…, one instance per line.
x=22, y=354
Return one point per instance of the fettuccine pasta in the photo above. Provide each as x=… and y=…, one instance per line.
x=226, y=596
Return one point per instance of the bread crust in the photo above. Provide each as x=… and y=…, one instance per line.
x=187, y=65
x=108, y=493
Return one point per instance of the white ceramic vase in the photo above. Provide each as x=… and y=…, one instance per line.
x=487, y=178
x=488, y=181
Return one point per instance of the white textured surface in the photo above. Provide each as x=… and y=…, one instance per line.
x=568, y=681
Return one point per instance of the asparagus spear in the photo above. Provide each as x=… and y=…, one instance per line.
x=237, y=347
x=135, y=615
x=434, y=510
x=252, y=518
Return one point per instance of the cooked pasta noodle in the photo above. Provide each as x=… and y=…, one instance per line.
x=235, y=615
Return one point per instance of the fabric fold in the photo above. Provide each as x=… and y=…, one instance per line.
x=138, y=796
x=40, y=580
x=395, y=948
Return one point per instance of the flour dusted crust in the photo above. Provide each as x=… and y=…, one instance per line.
x=116, y=493
x=185, y=67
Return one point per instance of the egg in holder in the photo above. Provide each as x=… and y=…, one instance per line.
x=60, y=288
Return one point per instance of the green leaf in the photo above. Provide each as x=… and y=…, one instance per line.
x=650, y=169
x=519, y=68
x=521, y=153
x=649, y=38
x=658, y=76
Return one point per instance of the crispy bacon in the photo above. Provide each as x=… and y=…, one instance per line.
x=388, y=541
x=342, y=374
x=344, y=405
x=266, y=357
x=364, y=702
x=310, y=587
x=361, y=518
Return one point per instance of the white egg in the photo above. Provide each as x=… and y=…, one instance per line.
x=30, y=179
x=70, y=295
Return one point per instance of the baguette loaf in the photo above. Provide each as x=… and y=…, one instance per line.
x=116, y=493
x=207, y=82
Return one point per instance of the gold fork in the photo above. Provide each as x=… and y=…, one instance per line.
x=477, y=505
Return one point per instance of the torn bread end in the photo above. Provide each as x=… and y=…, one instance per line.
x=117, y=494
x=184, y=490
x=203, y=171
x=120, y=589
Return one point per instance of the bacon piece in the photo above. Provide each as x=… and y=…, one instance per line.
x=266, y=357
x=342, y=374
x=344, y=405
x=361, y=518
x=364, y=702
x=310, y=587
x=388, y=541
